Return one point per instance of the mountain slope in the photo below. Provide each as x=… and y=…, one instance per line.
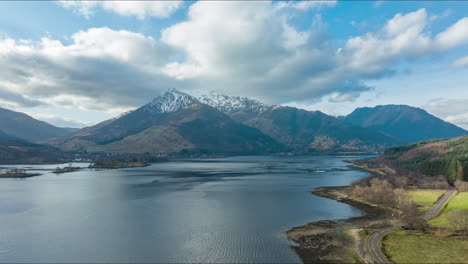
x=173, y=122
x=446, y=157
x=25, y=127
x=303, y=131
x=408, y=123
x=17, y=151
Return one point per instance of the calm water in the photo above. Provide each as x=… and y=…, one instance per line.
x=218, y=210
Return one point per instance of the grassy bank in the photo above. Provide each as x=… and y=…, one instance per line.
x=431, y=245
x=459, y=201
x=425, y=199
x=417, y=247
x=338, y=241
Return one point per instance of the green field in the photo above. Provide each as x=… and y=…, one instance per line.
x=460, y=201
x=413, y=247
x=425, y=198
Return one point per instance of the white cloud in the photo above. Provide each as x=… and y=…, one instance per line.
x=101, y=69
x=462, y=62
x=404, y=37
x=241, y=48
x=58, y=121
x=455, y=35
x=307, y=5
x=11, y=97
x=249, y=49
x=450, y=110
x=140, y=9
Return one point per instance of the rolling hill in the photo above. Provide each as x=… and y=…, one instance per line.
x=410, y=124
x=27, y=128
x=443, y=157
x=18, y=151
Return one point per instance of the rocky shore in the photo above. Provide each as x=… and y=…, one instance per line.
x=338, y=241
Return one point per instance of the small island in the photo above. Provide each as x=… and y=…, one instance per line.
x=66, y=169
x=125, y=161
x=17, y=173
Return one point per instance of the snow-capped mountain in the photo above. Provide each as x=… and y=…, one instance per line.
x=171, y=100
x=173, y=122
x=232, y=104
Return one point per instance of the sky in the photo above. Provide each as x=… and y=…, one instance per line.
x=75, y=63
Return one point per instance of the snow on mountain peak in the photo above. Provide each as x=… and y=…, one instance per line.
x=231, y=104
x=171, y=100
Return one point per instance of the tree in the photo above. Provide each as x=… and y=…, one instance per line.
x=461, y=186
x=401, y=199
x=410, y=214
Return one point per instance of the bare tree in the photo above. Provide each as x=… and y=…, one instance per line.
x=410, y=214
x=458, y=220
x=461, y=186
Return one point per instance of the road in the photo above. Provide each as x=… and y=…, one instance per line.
x=436, y=208
x=373, y=243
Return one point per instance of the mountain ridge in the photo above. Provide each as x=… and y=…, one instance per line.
x=411, y=124
x=177, y=122
x=28, y=128
x=302, y=130
x=18, y=151
x=171, y=123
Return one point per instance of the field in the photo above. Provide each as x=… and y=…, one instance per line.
x=413, y=247
x=425, y=198
x=460, y=201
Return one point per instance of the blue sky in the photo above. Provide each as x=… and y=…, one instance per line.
x=75, y=63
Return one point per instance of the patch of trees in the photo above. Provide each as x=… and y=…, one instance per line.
x=382, y=192
x=452, y=169
x=459, y=221
x=461, y=186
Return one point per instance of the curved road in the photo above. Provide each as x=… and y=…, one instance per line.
x=374, y=239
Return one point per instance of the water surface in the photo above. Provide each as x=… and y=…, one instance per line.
x=218, y=210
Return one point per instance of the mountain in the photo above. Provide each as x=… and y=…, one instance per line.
x=25, y=127
x=301, y=130
x=18, y=151
x=411, y=124
x=442, y=157
x=174, y=122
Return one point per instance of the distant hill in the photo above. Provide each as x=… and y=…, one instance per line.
x=301, y=130
x=174, y=122
x=410, y=124
x=18, y=151
x=25, y=127
x=446, y=157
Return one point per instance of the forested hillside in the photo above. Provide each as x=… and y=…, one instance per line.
x=446, y=157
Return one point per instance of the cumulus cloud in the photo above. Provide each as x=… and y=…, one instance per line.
x=251, y=49
x=58, y=121
x=9, y=97
x=462, y=62
x=140, y=9
x=101, y=69
x=455, y=35
x=450, y=110
x=239, y=48
x=307, y=5
x=349, y=91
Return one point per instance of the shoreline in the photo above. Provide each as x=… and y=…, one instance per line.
x=339, y=240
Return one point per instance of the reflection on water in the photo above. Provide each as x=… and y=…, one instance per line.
x=219, y=210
